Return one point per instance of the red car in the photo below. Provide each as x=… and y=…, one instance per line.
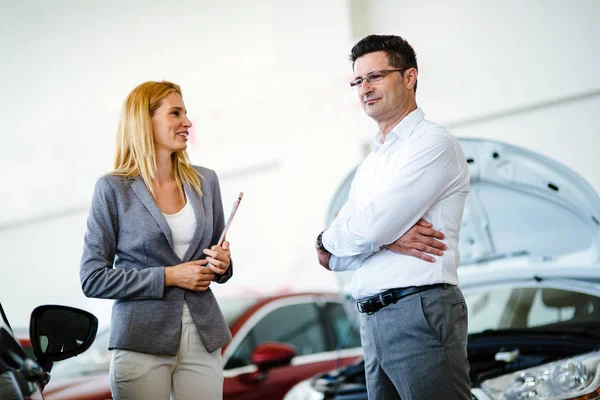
x=278, y=341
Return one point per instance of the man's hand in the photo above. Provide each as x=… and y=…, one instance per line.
x=323, y=257
x=419, y=241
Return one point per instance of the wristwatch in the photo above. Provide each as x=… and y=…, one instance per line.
x=320, y=242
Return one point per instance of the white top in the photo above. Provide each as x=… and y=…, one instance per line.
x=420, y=171
x=183, y=225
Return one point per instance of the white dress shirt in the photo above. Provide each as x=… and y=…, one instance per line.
x=420, y=171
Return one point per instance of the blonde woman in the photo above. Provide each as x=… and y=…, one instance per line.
x=150, y=244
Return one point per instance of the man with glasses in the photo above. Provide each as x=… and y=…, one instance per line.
x=413, y=316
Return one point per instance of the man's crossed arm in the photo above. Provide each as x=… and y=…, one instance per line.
x=420, y=241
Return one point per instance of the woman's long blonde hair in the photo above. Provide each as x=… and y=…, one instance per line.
x=136, y=153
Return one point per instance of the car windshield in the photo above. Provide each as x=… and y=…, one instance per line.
x=97, y=358
x=522, y=306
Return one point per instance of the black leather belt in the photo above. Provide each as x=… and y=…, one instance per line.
x=377, y=302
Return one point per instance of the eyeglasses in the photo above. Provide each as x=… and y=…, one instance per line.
x=374, y=76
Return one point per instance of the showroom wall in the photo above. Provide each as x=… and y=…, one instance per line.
x=265, y=84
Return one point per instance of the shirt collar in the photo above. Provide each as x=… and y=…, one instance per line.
x=402, y=130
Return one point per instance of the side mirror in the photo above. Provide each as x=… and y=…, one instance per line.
x=60, y=332
x=269, y=355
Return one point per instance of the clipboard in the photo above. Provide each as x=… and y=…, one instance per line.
x=236, y=204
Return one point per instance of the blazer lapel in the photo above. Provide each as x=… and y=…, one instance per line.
x=198, y=206
x=140, y=189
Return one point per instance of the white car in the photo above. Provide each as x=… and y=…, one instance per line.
x=530, y=273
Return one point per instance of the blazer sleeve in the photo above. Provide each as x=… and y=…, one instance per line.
x=219, y=224
x=98, y=277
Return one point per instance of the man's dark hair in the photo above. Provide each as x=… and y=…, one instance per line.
x=400, y=54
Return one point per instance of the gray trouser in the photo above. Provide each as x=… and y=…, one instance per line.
x=416, y=348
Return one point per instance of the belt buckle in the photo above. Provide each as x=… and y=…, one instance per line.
x=365, y=307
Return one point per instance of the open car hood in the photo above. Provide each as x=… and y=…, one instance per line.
x=520, y=203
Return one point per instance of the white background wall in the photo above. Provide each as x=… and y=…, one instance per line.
x=480, y=58
x=265, y=84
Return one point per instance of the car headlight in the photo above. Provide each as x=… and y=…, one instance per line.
x=574, y=378
x=304, y=391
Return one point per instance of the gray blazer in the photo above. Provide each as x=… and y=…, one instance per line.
x=126, y=247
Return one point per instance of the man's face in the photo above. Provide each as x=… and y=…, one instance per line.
x=385, y=99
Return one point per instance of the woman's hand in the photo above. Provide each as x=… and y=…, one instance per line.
x=193, y=275
x=219, y=258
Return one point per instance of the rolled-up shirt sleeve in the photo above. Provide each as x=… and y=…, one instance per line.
x=350, y=263
x=428, y=171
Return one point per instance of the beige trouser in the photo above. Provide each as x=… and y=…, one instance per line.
x=192, y=374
